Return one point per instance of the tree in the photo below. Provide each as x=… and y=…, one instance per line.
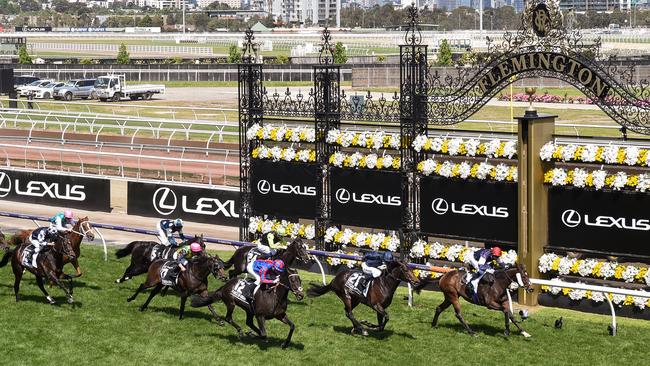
x=340, y=54
x=444, y=54
x=23, y=56
x=146, y=21
x=234, y=54
x=123, y=56
x=30, y=5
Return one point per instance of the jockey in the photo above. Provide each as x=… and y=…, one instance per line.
x=40, y=238
x=481, y=261
x=166, y=230
x=185, y=253
x=374, y=263
x=265, y=245
x=263, y=268
x=61, y=221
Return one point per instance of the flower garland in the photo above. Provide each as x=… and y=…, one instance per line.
x=281, y=133
x=453, y=253
x=465, y=170
x=597, y=179
x=370, y=161
x=377, y=241
x=619, y=300
x=278, y=153
x=371, y=140
x=590, y=153
x=551, y=262
x=333, y=261
x=494, y=148
x=258, y=225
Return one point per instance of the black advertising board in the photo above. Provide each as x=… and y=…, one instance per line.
x=369, y=198
x=33, y=29
x=206, y=205
x=481, y=210
x=284, y=189
x=56, y=190
x=605, y=221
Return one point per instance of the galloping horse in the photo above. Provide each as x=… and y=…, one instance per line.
x=269, y=303
x=295, y=250
x=379, y=297
x=49, y=266
x=493, y=296
x=140, y=252
x=194, y=280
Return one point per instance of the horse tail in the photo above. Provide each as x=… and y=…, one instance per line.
x=16, y=240
x=126, y=250
x=424, y=283
x=315, y=290
x=199, y=301
x=6, y=257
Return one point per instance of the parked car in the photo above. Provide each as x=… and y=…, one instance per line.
x=24, y=80
x=78, y=88
x=28, y=89
x=46, y=92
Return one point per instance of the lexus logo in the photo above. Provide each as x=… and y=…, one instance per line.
x=343, y=195
x=440, y=206
x=571, y=218
x=264, y=186
x=164, y=201
x=5, y=185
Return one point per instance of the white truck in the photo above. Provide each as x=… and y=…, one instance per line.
x=114, y=88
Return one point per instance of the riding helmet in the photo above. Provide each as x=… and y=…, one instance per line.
x=496, y=251
x=195, y=248
x=68, y=214
x=278, y=265
x=178, y=223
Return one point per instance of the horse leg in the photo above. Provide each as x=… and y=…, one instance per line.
x=512, y=319
x=292, y=327
x=153, y=293
x=41, y=285
x=507, y=331
x=130, y=272
x=140, y=289
x=261, y=322
x=53, y=277
x=251, y=323
x=75, y=264
x=456, y=305
x=381, y=318
x=229, y=310
x=181, y=310
x=18, y=276
x=357, y=327
x=442, y=307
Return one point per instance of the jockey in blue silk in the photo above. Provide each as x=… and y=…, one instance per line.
x=40, y=238
x=61, y=221
x=481, y=261
x=374, y=263
x=263, y=268
x=166, y=230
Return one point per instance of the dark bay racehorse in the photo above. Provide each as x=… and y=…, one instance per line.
x=140, y=252
x=269, y=303
x=379, y=298
x=295, y=250
x=493, y=296
x=49, y=266
x=192, y=281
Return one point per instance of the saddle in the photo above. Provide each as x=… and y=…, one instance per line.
x=169, y=273
x=486, y=278
x=243, y=290
x=160, y=251
x=359, y=283
x=28, y=254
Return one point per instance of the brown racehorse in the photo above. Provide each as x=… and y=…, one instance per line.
x=295, y=250
x=49, y=266
x=194, y=280
x=492, y=296
x=379, y=298
x=270, y=303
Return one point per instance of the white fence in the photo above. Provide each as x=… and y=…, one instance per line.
x=113, y=48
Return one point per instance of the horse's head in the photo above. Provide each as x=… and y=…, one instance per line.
x=400, y=269
x=521, y=277
x=83, y=226
x=199, y=239
x=217, y=267
x=301, y=250
x=295, y=283
x=64, y=246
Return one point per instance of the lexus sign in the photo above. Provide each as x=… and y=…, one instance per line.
x=473, y=209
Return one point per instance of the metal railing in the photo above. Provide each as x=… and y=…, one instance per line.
x=113, y=48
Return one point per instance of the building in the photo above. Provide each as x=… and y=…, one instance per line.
x=593, y=5
x=233, y=4
x=307, y=12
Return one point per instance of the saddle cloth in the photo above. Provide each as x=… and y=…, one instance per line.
x=28, y=254
x=243, y=291
x=358, y=283
x=160, y=251
x=169, y=273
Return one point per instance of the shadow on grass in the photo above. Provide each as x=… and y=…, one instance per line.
x=270, y=343
x=375, y=334
x=40, y=299
x=486, y=329
x=175, y=312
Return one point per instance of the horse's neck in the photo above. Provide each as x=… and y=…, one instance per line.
x=200, y=270
x=503, y=279
x=75, y=237
x=390, y=282
x=288, y=255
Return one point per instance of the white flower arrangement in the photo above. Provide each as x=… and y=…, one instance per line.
x=591, y=153
x=593, y=268
x=465, y=170
x=334, y=261
x=597, y=179
x=377, y=241
x=454, y=252
x=457, y=146
x=371, y=140
x=258, y=225
x=278, y=153
x=281, y=133
x=598, y=297
x=369, y=161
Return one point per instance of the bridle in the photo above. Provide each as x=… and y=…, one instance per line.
x=85, y=229
x=518, y=280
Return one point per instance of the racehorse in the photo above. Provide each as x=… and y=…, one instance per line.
x=379, y=297
x=49, y=266
x=140, y=252
x=3, y=242
x=295, y=250
x=269, y=303
x=492, y=296
x=194, y=280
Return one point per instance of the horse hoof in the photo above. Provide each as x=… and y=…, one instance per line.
x=142, y=309
x=221, y=323
x=117, y=280
x=285, y=345
x=251, y=334
x=70, y=300
x=507, y=334
x=473, y=334
x=526, y=334
x=50, y=300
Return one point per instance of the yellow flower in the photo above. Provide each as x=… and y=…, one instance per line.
x=274, y=134
x=362, y=162
x=599, y=153
x=578, y=154
x=545, y=288
x=312, y=156
x=643, y=154
x=557, y=154
x=632, y=180
x=548, y=176
x=569, y=177
x=302, y=136
x=288, y=134
x=420, y=166
x=427, y=145
x=301, y=231
x=620, y=156
x=380, y=163
x=255, y=153
x=596, y=270
x=396, y=163
x=618, y=273
x=629, y=300
x=609, y=180
x=480, y=150
x=556, y=264
x=454, y=170
x=574, y=267
x=355, y=140
x=565, y=291
x=462, y=150
x=445, y=147
x=347, y=162
x=642, y=273
x=501, y=149
x=473, y=170
x=331, y=160
x=589, y=181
